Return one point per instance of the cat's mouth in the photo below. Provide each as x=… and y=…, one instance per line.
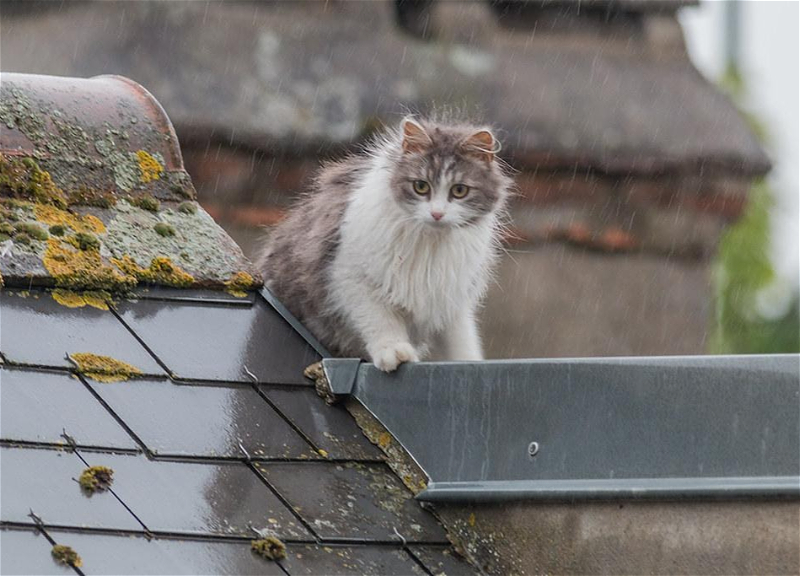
x=438, y=224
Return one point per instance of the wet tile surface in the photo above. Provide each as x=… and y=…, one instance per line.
x=359, y=501
x=193, y=427
x=198, y=498
x=27, y=552
x=215, y=342
x=40, y=331
x=440, y=560
x=193, y=420
x=36, y=406
x=355, y=560
x=329, y=427
x=42, y=481
x=114, y=554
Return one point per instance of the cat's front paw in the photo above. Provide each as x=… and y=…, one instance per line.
x=389, y=356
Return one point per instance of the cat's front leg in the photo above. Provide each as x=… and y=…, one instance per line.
x=383, y=331
x=461, y=340
x=386, y=338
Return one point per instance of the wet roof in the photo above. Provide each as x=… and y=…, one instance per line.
x=218, y=435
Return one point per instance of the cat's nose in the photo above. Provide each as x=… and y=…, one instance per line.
x=437, y=215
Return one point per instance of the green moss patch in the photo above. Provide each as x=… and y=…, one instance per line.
x=146, y=202
x=270, y=548
x=96, y=479
x=84, y=241
x=163, y=229
x=66, y=556
x=187, y=208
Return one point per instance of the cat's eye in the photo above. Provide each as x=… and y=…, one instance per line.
x=421, y=187
x=459, y=190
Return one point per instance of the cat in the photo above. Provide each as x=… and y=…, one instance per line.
x=389, y=256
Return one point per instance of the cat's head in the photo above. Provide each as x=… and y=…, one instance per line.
x=447, y=174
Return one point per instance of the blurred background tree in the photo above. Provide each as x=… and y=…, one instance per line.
x=756, y=311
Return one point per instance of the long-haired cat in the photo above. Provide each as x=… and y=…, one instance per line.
x=389, y=256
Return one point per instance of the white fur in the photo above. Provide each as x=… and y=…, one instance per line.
x=407, y=285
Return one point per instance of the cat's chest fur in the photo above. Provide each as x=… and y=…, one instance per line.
x=427, y=274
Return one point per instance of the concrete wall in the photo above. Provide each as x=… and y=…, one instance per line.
x=630, y=538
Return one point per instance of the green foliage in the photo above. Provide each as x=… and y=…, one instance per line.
x=743, y=271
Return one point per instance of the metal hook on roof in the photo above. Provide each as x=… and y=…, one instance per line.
x=263, y=533
x=247, y=456
x=69, y=439
x=400, y=536
x=36, y=519
x=253, y=376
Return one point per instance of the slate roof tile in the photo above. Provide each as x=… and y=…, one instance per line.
x=135, y=554
x=39, y=331
x=195, y=492
x=27, y=552
x=45, y=481
x=346, y=560
x=441, y=560
x=330, y=428
x=198, y=421
x=198, y=498
x=352, y=501
x=223, y=343
x=41, y=406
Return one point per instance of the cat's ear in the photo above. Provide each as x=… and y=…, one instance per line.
x=482, y=145
x=415, y=139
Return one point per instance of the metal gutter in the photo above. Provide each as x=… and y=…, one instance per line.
x=700, y=427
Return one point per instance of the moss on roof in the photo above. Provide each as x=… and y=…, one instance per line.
x=103, y=368
x=64, y=170
x=66, y=556
x=96, y=479
x=270, y=548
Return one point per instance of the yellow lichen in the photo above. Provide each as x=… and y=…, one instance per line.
x=83, y=269
x=270, y=548
x=97, y=299
x=25, y=180
x=66, y=556
x=103, y=368
x=161, y=271
x=323, y=453
x=151, y=169
x=53, y=216
x=384, y=440
x=238, y=284
x=96, y=479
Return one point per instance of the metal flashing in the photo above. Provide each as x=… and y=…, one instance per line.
x=341, y=374
x=294, y=322
x=595, y=428
x=767, y=487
